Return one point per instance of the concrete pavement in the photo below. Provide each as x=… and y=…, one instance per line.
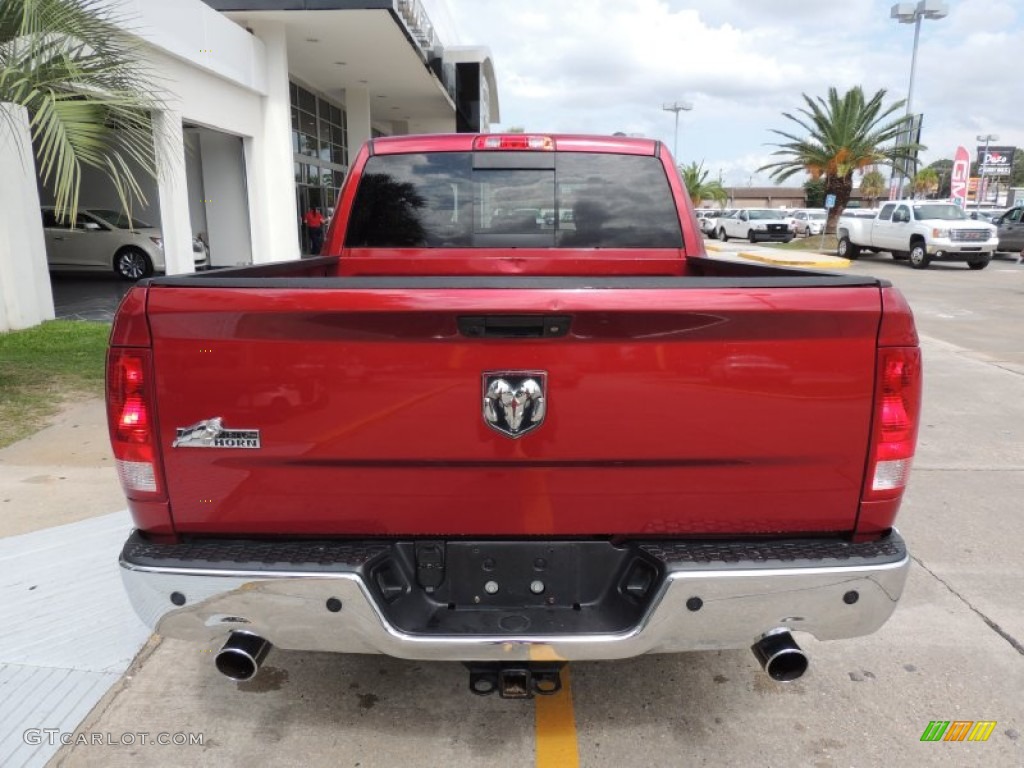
x=61, y=474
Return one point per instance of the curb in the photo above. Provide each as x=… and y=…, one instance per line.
x=835, y=262
x=817, y=260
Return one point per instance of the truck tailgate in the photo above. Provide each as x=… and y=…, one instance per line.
x=670, y=410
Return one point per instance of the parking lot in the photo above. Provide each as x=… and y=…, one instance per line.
x=953, y=651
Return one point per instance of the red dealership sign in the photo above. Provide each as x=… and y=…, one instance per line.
x=960, y=177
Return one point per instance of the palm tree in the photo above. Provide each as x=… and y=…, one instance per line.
x=840, y=135
x=695, y=178
x=872, y=185
x=88, y=95
x=926, y=182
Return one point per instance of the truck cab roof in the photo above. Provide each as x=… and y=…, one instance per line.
x=540, y=142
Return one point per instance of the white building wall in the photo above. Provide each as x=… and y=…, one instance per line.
x=227, y=206
x=203, y=98
x=357, y=116
x=192, y=31
x=175, y=224
x=269, y=158
x=194, y=179
x=25, y=297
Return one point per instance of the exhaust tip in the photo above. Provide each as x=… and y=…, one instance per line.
x=780, y=656
x=242, y=655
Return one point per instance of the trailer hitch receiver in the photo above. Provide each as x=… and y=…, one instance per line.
x=517, y=680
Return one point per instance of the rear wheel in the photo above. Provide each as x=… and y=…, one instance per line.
x=919, y=256
x=132, y=264
x=978, y=264
x=721, y=235
x=846, y=249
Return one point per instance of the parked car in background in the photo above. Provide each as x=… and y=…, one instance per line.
x=101, y=239
x=808, y=221
x=703, y=214
x=1010, y=230
x=986, y=214
x=755, y=224
x=709, y=225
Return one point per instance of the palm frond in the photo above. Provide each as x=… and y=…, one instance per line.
x=89, y=96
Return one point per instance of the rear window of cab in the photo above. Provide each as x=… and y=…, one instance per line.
x=513, y=199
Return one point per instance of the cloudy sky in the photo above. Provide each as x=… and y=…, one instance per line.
x=600, y=66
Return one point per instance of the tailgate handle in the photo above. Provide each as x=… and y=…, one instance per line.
x=514, y=326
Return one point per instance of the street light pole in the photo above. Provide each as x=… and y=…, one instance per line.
x=913, y=64
x=984, y=163
x=909, y=13
x=677, y=107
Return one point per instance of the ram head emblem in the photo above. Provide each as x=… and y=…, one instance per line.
x=515, y=402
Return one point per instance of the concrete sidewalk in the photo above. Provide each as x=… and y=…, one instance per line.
x=63, y=473
x=67, y=632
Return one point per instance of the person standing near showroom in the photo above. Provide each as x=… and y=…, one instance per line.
x=314, y=222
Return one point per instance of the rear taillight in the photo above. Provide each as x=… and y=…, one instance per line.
x=130, y=417
x=896, y=415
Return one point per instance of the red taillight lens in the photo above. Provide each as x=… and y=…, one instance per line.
x=513, y=141
x=897, y=412
x=129, y=413
x=133, y=424
x=896, y=427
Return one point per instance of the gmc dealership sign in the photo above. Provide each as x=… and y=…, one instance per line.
x=960, y=177
x=996, y=161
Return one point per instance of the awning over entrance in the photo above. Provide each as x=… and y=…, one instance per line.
x=344, y=49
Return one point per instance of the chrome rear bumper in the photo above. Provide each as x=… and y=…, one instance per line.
x=715, y=597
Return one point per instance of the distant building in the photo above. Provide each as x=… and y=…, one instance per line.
x=774, y=197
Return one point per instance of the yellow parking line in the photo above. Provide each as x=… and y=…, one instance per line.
x=555, y=724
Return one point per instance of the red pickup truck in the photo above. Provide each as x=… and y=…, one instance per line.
x=514, y=417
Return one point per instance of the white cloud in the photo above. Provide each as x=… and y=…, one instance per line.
x=609, y=65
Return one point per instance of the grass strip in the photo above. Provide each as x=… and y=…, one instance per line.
x=42, y=368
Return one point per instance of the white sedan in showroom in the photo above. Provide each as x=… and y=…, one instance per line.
x=102, y=239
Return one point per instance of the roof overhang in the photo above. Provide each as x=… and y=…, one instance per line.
x=358, y=45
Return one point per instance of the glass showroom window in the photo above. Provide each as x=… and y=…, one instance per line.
x=320, y=151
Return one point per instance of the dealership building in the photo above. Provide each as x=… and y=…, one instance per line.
x=266, y=103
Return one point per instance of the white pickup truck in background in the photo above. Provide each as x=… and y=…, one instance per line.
x=755, y=224
x=922, y=231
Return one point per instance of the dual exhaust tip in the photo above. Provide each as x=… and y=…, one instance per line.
x=777, y=652
x=241, y=656
x=780, y=656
